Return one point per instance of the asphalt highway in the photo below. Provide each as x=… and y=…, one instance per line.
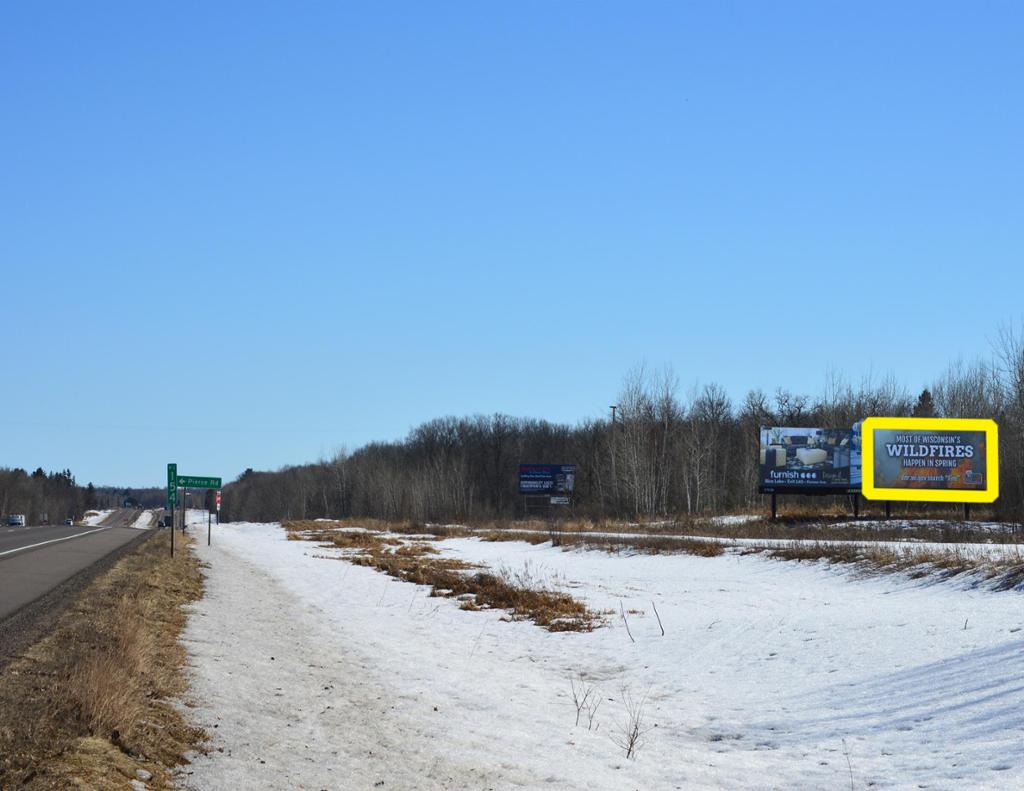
x=35, y=560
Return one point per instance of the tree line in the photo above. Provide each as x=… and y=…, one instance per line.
x=667, y=452
x=56, y=496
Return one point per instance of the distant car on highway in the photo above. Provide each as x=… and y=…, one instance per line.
x=16, y=520
x=69, y=521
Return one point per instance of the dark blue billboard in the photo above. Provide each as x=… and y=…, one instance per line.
x=557, y=479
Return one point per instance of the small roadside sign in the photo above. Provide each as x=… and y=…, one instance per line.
x=198, y=482
x=172, y=484
x=218, y=501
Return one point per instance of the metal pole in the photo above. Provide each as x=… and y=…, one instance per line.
x=172, y=523
x=615, y=478
x=856, y=506
x=774, y=513
x=184, y=507
x=888, y=509
x=967, y=512
x=209, y=521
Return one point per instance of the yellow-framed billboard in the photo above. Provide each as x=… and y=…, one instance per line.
x=945, y=460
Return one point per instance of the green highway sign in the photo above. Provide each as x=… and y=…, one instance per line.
x=198, y=482
x=172, y=484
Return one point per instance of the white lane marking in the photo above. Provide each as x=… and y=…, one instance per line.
x=52, y=541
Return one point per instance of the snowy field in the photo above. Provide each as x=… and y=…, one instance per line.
x=310, y=672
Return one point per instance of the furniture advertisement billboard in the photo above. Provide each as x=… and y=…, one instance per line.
x=809, y=460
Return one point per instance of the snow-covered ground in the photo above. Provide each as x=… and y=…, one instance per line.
x=972, y=551
x=92, y=518
x=314, y=673
x=143, y=521
x=735, y=519
x=911, y=524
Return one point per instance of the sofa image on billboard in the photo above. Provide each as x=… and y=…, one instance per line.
x=774, y=456
x=811, y=456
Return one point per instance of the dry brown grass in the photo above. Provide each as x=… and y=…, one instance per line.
x=583, y=525
x=1001, y=572
x=806, y=523
x=419, y=563
x=944, y=532
x=657, y=544
x=92, y=702
x=647, y=545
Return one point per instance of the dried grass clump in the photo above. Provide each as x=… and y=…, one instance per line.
x=505, y=535
x=648, y=545
x=1001, y=572
x=555, y=611
x=418, y=562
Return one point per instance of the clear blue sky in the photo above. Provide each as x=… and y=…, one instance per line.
x=245, y=234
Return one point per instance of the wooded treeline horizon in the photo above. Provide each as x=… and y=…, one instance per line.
x=664, y=455
x=56, y=496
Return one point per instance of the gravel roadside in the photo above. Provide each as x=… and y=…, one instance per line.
x=289, y=705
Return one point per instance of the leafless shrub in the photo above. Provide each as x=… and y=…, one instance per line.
x=631, y=732
x=592, y=707
x=584, y=698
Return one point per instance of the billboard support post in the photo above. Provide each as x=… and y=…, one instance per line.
x=856, y=506
x=888, y=509
x=774, y=513
x=967, y=512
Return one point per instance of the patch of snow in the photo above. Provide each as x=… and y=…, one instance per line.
x=735, y=519
x=144, y=521
x=93, y=518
